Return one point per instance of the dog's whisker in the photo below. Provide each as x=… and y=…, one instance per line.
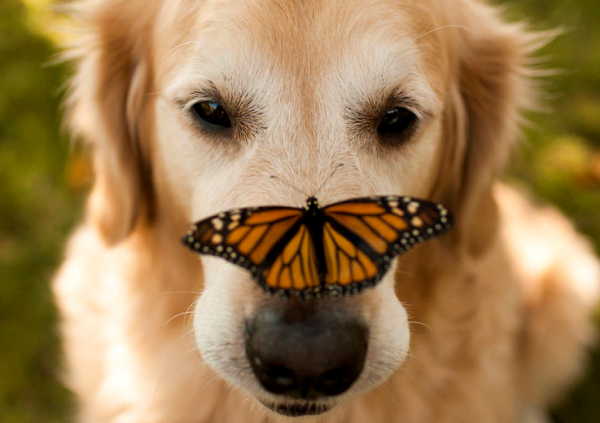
x=170, y=360
x=412, y=275
x=444, y=27
x=184, y=313
x=189, y=351
x=220, y=398
x=187, y=333
x=175, y=48
x=414, y=322
x=411, y=356
x=408, y=374
x=181, y=292
x=177, y=315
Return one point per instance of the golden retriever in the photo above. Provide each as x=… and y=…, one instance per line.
x=190, y=108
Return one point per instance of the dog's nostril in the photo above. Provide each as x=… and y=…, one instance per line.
x=333, y=375
x=280, y=376
x=274, y=378
x=333, y=381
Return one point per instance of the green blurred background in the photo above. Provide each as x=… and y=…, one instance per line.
x=43, y=181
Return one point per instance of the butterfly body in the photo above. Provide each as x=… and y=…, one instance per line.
x=339, y=249
x=314, y=219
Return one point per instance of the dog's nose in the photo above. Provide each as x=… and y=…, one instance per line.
x=305, y=350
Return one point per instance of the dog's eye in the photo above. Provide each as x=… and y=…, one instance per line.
x=212, y=113
x=396, y=121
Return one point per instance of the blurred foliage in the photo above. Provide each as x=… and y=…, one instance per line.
x=37, y=210
x=41, y=179
x=560, y=160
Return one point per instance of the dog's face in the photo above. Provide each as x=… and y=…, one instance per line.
x=301, y=95
x=413, y=98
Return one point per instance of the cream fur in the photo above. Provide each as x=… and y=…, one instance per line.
x=489, y=323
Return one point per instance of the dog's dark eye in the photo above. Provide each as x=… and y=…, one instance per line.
x=396, y=121
x=212, y=113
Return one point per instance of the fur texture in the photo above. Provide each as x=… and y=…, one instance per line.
x=487, y=324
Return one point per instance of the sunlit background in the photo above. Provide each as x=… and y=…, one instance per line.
x=43, y=180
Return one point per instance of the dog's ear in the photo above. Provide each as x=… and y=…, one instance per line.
x=107, y=105
x=483, y=113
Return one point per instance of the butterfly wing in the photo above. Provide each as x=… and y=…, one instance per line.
x=271, y=242
x=294, y=268
x=360, y=237
x=363, y=235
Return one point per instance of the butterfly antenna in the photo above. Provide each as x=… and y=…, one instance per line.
x=327, y=179
x=287, y=184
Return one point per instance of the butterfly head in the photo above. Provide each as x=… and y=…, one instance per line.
x=311, y=202
x=312, y=207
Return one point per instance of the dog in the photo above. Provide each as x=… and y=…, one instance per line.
x=193, y=108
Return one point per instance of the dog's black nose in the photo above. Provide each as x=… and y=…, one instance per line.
x=305, y=350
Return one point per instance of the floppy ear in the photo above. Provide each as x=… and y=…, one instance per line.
x=106, y=107
x=483, y=113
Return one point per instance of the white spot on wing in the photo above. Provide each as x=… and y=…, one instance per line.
x=217, y=223
x=413, y=207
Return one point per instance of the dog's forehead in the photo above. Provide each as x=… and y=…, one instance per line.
x=307, y=41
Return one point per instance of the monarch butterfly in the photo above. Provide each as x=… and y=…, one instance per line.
x=339, y=249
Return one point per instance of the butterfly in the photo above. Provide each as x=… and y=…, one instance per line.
x=337, y=250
